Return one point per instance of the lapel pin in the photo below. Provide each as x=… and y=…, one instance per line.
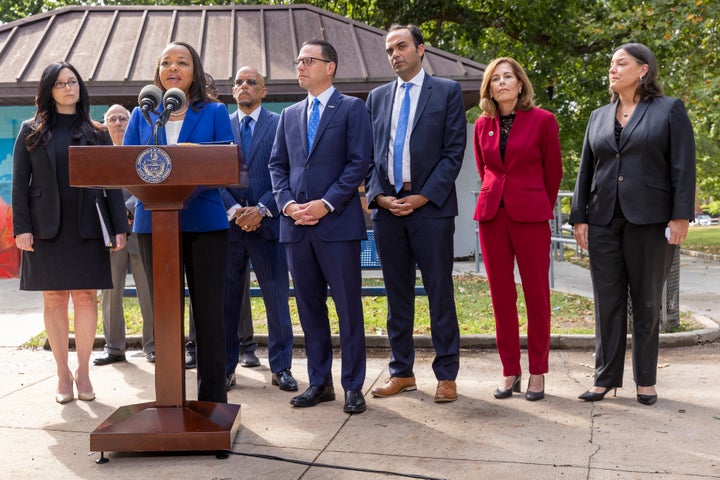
x=491, y=133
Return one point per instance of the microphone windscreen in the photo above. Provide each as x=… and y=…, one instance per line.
x=150, y=94
x=176, y=96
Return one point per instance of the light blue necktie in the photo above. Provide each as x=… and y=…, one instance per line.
x=400, y=134
x=246, y=134
x=313, y=122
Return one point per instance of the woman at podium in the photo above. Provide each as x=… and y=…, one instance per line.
x=56, y=226
x=203, y=223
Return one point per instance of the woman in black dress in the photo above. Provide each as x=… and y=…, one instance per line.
x=56, y=226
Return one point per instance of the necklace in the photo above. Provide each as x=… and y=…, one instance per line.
x=627, y=110
x=506, y=122
x=178, y=114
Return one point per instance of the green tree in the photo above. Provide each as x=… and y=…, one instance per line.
x=12, y=10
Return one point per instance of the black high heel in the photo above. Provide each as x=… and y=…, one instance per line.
x=508, y=393
x=646, y=399
x=595, y=396
x=535, y=396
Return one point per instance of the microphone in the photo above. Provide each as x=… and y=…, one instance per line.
x=149, y=98
x=174, y=100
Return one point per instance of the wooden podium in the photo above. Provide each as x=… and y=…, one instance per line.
x=170, y=423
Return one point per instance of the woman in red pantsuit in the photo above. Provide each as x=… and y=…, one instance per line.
x=517, y=149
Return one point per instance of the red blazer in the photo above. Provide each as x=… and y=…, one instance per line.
x=529, y=179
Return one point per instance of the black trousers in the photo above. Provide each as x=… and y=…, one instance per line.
x=624, y=255
x=203, y=256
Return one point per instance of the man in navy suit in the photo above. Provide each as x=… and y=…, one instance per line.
x=416, y=205
x=320, y=157
x=254, y=225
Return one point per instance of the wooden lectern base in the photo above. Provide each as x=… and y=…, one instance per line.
x=143, y=427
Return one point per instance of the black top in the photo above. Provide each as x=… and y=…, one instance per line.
x=506, y=122
x=618, y=213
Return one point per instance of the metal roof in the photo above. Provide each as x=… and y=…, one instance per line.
x=115, y=49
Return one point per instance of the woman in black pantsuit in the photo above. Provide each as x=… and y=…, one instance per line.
x=56, y=226
x=631, y=209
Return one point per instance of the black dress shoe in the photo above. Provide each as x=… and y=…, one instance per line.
x=190, y=360
x=354, y=402
x=285, y=380
x=515, y=387
x=646, y=399
x=230, y=381
x=314, y=395
x=108, y=358
x=535, y=396
x=150, y=357
x=249, y=359
x=591, y=396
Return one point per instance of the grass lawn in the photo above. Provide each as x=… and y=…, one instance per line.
x=703, y=239
x=571, y=314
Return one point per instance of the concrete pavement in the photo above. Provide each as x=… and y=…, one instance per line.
x=408, y=436
x=476, y=437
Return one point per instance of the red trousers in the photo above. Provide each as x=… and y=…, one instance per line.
x=503, y=241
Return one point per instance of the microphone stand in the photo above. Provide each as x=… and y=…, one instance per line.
x=159, y=123
x=146, y=114
x=162, y=120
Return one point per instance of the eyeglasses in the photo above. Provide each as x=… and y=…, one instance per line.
x=69, y=83
x=117, y=118
x=250, y=81
x=307, y=61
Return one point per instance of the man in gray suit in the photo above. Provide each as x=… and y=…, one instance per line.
x=254, y=229
x=116, y=119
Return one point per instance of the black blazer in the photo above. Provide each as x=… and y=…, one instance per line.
x=651, y=174
x=36, y=194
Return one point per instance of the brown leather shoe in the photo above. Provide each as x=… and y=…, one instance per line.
x=395, y=385
x=446, y=391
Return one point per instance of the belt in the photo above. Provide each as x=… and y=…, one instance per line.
x=406, y=187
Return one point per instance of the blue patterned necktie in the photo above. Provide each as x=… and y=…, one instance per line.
x=400, y=134
x=313, y=122
x=246, y=135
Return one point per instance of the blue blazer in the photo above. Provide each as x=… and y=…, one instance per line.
x=260, y=188
x=651, y=173
x=437, y=145
x=210, y=123
x=332, y=170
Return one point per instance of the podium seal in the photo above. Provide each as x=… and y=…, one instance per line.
x=153, y=165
